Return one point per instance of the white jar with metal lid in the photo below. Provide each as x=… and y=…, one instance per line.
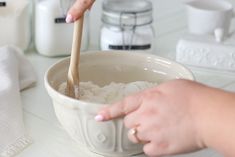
x=127, y=25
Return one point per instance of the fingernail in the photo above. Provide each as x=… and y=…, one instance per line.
x=99, y=118
x=69, y=18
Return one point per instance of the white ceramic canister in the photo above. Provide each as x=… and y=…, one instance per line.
x=127, y=25
x=210, y=17
x=15, y=23
x=53, y=36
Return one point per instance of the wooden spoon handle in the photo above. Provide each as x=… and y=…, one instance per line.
x=76, y=45
x=73, y=73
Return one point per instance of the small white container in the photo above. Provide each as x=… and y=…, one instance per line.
x=15, y=23
x=53, y=36
x=127, y=25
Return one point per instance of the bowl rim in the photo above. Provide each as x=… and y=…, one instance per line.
x=73, y=102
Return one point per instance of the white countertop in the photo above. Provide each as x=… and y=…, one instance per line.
x=51, y=140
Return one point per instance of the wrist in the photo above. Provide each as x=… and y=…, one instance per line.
x=199, y=108
x=213, y=110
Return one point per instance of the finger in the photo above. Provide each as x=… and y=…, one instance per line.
x=127, y=105
x=157, y=149
x=143, y=115
x=78, y=9
x=150, y=149
x=147, y=130
x=133, y=135
x=133, y=119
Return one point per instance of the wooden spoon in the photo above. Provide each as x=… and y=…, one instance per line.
x=73, y=72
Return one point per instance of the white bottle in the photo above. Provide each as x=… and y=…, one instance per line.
x=15, y=23
x=53, y=36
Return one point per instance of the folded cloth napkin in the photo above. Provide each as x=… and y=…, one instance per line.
x=16, y=73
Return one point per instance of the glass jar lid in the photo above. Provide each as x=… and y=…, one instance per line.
x=127, y=12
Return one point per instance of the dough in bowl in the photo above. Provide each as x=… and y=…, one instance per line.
x=108, y=94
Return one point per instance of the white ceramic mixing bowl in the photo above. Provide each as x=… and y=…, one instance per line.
x=77, y=116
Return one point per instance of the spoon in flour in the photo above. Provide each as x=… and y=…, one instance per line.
x=72, y=89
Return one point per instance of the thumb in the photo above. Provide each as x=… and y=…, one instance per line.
x=122, y=108
x=78, y=9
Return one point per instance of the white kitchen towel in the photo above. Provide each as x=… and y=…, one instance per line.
x=16, y=73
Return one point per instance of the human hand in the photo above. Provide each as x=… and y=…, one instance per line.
x=77, y=10
x=164, y=118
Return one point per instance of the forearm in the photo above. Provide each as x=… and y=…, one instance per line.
x=216, y=120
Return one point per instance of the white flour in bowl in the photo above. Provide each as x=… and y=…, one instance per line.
x=110, y=93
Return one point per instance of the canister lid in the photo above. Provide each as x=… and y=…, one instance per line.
x=127, y=12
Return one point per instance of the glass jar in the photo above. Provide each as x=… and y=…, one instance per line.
x=15, y=23
x=127, y=25
x=53, y=36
